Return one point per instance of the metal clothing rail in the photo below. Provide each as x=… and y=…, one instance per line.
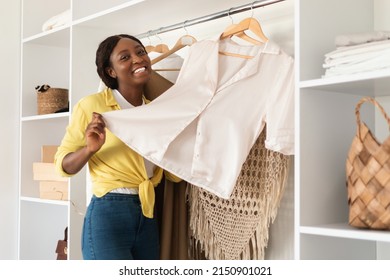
x=229, y=12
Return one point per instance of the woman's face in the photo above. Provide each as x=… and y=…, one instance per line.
x=130, y=64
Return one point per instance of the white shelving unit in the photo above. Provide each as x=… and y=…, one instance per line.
x=45, y=60
x=64, y=57
x=326, y=124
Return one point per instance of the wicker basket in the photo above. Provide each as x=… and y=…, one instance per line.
x=368, y=176
x=52, y=100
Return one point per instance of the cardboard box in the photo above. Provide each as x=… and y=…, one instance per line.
x=48, y=152
x=44, y=171
x=53, y=190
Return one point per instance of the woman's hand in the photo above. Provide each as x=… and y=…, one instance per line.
x=95, y=133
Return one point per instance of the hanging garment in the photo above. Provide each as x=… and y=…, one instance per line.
x=238, y=228
x=171, y=203
x=203, y=127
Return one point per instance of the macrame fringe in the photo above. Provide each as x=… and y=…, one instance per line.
x=204, y=244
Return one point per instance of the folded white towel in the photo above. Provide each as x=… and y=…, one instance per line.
x=57, y=20
x=358, y=49
x=355, y=58
x=361, y=38
x=379, y=62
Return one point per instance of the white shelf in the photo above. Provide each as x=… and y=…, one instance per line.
x=51, y=37
x=343, y=230
x=375, y=83
x=45, y=117
x=45, y=201
x=105, y=11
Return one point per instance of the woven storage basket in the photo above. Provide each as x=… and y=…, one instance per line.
x=368, y=176
x=52, y=100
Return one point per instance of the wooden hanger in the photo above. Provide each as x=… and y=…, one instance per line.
x=248, y=24
x=243, y=35
x=160, y=48
x=183, y=41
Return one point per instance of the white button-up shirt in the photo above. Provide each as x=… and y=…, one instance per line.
x=203, y=127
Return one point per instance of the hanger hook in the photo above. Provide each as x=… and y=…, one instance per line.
x=231, y=18
x=252, y=8
x=150, y=42
x=159, y=31
x=158, y=36
x=184, y=26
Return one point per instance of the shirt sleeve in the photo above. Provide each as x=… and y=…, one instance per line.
x=280, y=110
x=74, y=138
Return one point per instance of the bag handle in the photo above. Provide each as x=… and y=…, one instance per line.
x=373, y=101
x=66, y=234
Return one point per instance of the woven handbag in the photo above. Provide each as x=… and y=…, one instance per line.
x=368, y=176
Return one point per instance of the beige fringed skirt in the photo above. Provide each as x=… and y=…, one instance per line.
x=238, y=228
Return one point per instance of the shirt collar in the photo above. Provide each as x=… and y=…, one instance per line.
x=271, y=48
x=109, y=97
x=249, y=69
x=111, y=101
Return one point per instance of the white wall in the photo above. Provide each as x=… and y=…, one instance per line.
x=9, y=113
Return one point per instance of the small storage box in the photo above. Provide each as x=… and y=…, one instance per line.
x=48, y=152
x=44, y=171
x=53, y=190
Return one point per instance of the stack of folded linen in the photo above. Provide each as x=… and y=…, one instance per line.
x=357, y=53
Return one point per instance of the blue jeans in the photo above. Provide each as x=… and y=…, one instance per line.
x=115, y=229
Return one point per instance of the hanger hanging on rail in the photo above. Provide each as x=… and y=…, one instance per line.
x=160, y=48
x=186, y=40
x=248, y=24
x=183, y=41
x=241, y=34
x=239, y=30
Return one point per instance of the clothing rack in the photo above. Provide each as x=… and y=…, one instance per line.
x=229, y=12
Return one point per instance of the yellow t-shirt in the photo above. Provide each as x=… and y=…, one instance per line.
x=115, y=164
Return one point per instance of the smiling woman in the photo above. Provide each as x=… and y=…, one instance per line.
x=120, y=221
x=127, y=68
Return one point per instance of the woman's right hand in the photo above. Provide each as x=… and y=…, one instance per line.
x=95, y=133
